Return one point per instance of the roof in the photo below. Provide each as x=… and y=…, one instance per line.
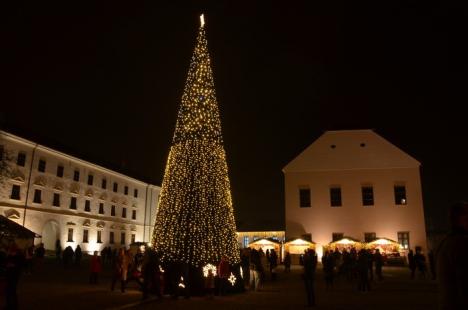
x=350, y=150
x=10, y=229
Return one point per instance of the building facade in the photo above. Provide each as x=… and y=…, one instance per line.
x=354, y=183
x=64, y=198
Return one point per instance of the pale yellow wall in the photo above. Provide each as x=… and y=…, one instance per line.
x=353, y=219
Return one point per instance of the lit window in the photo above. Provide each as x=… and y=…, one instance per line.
x=403, y=239
x=70, y=234
x=246, y=241
x=400, y=194
x=85, y=236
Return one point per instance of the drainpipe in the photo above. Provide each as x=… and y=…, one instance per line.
x=144, y=221
x=29, y=183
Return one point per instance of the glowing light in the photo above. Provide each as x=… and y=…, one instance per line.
x=195, y=222
x=181, y=283
x=345, y=241
x=381, y=242
x=241, y=273
x=202, y=20
x=232, y=279
x=160, y=269
x=207, y=268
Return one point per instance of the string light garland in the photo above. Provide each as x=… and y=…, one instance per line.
x=207, y=268
x=232, y=279
x=195, y=222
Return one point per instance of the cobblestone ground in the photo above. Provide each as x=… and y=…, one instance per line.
x=54, y=287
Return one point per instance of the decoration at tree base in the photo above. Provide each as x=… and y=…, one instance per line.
x=195, y=222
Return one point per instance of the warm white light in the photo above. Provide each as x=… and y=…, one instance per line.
x=232, y=279
x=207, y=268
x=181, y=283
x=202, y=20
x=381, y=242
x=346, y=241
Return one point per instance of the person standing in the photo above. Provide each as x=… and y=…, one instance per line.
x=96, y=268
x=120, y=270
x=411, y=263
x=287, y=262
x=13, y=266
x=362, y=267
x=254, y=270
x=223, y=274
x=452, y=261
x=378, y=264
x=420, y=261
x=310, y=265
x=58, y=250
x=39, y=256
x=78, y=255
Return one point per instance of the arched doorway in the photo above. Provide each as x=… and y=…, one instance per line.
x=50, y=234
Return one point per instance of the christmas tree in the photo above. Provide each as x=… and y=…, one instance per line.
x=195, y=221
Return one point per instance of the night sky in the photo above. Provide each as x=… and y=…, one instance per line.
x=102, y=80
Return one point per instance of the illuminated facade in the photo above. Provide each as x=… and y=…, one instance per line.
x=62, y=197
x=354, y=183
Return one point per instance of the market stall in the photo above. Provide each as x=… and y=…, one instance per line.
x=391, y=250
x=346, y=243
x=11, y=231
x=266, y=244
x=296, y=248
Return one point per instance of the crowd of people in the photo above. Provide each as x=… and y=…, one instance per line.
x=152, y=276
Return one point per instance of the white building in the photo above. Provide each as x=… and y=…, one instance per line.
x=64, y=198
x=354, y=183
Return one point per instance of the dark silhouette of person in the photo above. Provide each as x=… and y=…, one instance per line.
x=378, y=259
x=420, y=261
x=452, y=261
x=58, y=250
x=151, y=274
x=287, y=262
x=363, y=268
x=411, y=263
x=310, y=265
x=78, y=255
x=328, y=264
x=13, y=265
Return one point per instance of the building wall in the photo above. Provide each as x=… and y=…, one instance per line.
x=36, y=216
x=353, y=219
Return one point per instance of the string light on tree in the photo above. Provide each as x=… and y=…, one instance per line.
x=195, y=222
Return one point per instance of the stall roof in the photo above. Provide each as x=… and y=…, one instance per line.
x=346, y=240
x=291, y=240
x=383, y=241
x=264, y=241
x=10, y=229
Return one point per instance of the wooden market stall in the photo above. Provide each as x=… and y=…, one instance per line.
x=346, y=243
x=266, y=244
x=11, y=231
x=390, y=249
x=296, y=248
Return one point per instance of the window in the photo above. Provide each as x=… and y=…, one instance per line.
x=335, y=196
x=369, y=236
x=104, y=184
x=307, y=237
x=101, y=208
x=56, y=201
x=37, y=196
x=87, y=206
x=400, y=194
x=124, y=212
x=126, y=190
x=304, y=197
x=403, y=239
x=70, y=234
x=367, y=195
x=41, y=166
x=122, y=238
x=15, y=192
x=73, y=203
x=90, y=179
x=337, y=236
x=113, y=211
x=21, y=159
x=76, y=175
x=135, y=193
x=99, y=235
x=133, y=214
x=133, y=238
x=116, y=187
x=60, y=171
x=85, y=236
x=246, y=241
x=111, y=237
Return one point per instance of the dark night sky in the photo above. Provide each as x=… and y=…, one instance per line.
x=103, y=81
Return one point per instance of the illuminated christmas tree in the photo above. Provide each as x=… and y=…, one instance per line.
x=195, y=221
